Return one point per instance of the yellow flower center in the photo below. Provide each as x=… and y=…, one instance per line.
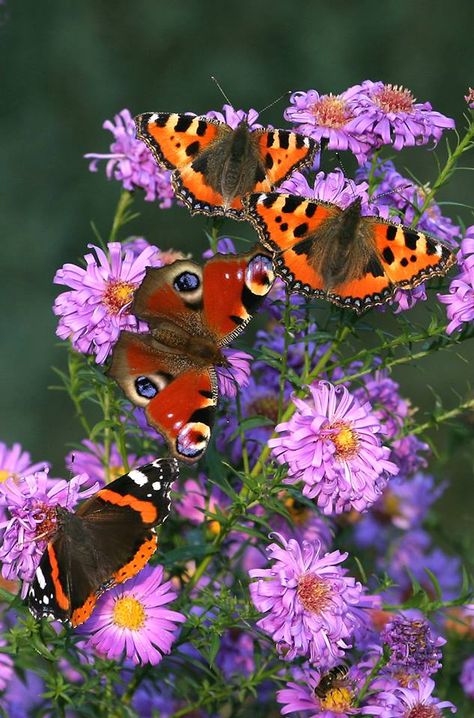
x=4, y=475
x=345, y=440
x=117, y=295
x=300, y=513
x=314, y=593
x=331, y=111
x=116, y=471
x=391, y=504
x=129, y=613
x=47, y=527
x=337, y=699
x=214, y=527
x=394, y=98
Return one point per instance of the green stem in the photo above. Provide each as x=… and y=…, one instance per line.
x=463, y=145
x=107, y=432
x=373, y=673
x=284, y=362
x=445, y=416
x=122, y=216
x=243, y=441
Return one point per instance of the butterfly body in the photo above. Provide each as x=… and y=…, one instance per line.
x=109, y=539
x=192, y=313
x=215, y=165
x=352, y=260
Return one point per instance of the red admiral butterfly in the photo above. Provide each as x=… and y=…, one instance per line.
x=109, y=539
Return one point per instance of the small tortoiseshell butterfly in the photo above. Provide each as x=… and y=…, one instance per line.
x=215, y=165
x=192, y=313
x=349, y=259
x=108, y=540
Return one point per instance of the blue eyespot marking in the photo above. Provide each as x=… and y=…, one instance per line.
x=186, y=282
x=145, y=387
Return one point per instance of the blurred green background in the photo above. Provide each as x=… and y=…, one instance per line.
x=69, y=66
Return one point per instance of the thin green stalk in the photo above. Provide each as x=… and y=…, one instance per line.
x=122, y=215
x=243, y=440
x=445, y=416
x=373, y=673
x=284, y=359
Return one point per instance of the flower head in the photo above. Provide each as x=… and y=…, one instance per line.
x=132, y=619
x=94, y=312
x=460, y=300
x=391, y=115
x=15, y=463
x=414, y=649
x=233, y=117
x=330, y=117
x=236, y=375
x=312, y=607
x=331, y=443
x=31, y=503
x=131, y=162
x=470, y=98
x=416, y=701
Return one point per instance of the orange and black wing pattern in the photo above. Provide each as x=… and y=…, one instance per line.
x=107, y=541
x=283, y=152
x=309, y=238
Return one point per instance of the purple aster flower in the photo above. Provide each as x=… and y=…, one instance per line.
x=131, y=162
x=15, y=463
x=413, y=647
x=331, y=443
x=149, y=701
x=31, y=502
x=312, y=607
x=470, y=98
x=312, y=695
x=405, y=299
x=195, y=502
x=23, y=696
x=233, y=117
x=460, y=300
x=236, y=374
x=391, y=115
x=330, y=117
x=93, y=461
x=388, y=406
x=336, y=188
x=132, y=619
x=405, y=453
x=417, y=701
x=467, y=677
x=95, y=311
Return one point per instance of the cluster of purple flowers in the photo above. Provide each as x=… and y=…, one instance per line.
x=331, y=449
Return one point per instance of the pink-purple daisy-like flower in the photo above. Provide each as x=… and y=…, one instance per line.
x=95, y=311
x=31, y=504
x=332, y=118
x=312, y=607
x=332, y=444
x=131, y=162
x=15, y=462
x=132, y=619
x=233, y=117
x=415, y=702
x=460, y=300
x=336, y=701
x=467, y=677
x=391, y=115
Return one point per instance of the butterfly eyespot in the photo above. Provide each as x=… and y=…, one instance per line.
x=145, y=388
x=186, y=282
x=193, y=439
x=260, y=275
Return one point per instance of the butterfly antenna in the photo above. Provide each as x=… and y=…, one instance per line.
x=395, y=190
x=274, y=102
x=214, y=79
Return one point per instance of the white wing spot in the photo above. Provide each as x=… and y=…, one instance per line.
x=45, y=600
x=156, y=485
x=40, y=577
x=138, y=478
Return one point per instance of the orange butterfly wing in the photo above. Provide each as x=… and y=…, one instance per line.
x=175, y=139
x=283, y=152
